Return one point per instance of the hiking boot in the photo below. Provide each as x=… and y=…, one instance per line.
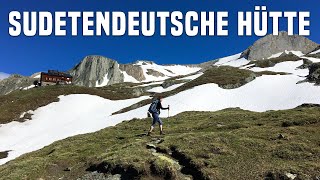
x=162, y=133
x=149, y=133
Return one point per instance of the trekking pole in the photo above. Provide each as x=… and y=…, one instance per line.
x=168, y=111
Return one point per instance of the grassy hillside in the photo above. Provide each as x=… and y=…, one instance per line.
x=228, y=144
x=17, y=102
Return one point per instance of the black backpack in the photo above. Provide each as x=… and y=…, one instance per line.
x=153, y=106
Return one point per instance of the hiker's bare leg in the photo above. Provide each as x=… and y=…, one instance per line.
x=160, y=127
x=149, y=132
x=151, y=128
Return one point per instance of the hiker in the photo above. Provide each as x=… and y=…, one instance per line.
x=154, y=109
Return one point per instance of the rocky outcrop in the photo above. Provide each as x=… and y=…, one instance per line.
x=273, y=61
x=98, y=71
x=100, y=176
x=235, y=85
x=154, y=73
x=314, y=73
x=94, y=70
x=14, y=82
x=4, y=154
x=245, y=53
x=133, y=70
x=306, y=64
x=168, y=83
x=172, y=82
x=269, y=45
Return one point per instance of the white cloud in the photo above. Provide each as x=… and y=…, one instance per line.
x=3, y=75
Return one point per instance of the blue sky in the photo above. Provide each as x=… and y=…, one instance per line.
x=26, y=55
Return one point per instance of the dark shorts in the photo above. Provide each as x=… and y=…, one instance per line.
x=156, y=119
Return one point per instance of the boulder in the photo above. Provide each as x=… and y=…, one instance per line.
x=306, y=64
x=239, y=84
x=4, y=154
x=314, y=73
x=169, y=83
x=154, y=73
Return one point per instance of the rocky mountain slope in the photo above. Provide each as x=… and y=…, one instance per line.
x=95, y=71
x=98, y=71
x=14, y=82
x=269, y=45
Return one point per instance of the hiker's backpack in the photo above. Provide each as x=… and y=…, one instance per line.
x=153, y=107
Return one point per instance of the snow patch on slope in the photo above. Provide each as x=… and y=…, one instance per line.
x=167, y=70
x=234, y=61
x=37, y=76
x=128, y=78
x=29, y=87
x=315, y=60
x=316, y=52
x=72, y=115
x=287, y=66
x=272, y=92
x=104, y=82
